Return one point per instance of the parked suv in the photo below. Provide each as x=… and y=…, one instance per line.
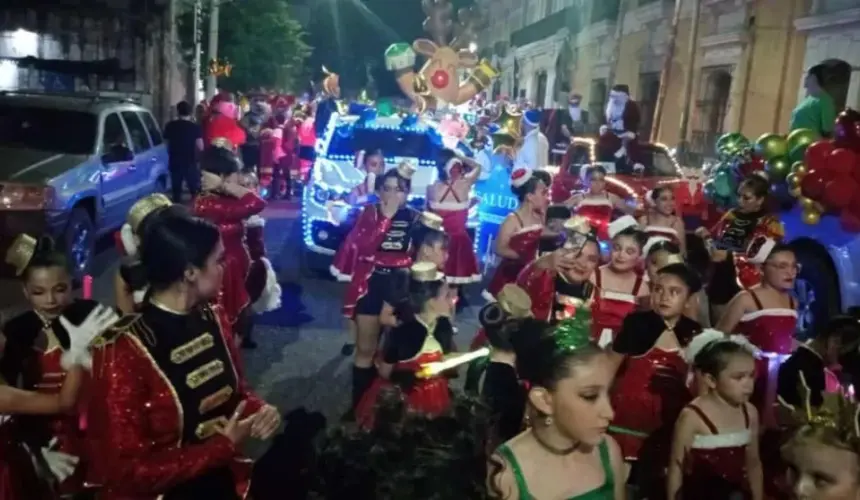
x=73, y=164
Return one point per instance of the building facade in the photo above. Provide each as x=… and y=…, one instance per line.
x=747, y=64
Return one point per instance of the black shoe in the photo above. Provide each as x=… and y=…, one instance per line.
x=248, y=344
x=347, y=349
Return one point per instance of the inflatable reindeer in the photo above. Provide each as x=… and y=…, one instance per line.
x=438, y=82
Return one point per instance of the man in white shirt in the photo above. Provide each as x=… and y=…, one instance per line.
x=534, y=152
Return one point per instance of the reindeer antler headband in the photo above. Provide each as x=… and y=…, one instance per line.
x=837, y=413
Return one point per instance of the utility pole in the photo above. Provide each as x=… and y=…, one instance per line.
x=169, y=73
x=619, y=34
x=683, y=144
x=214, y=12
x=195, y=64
x=666, y=73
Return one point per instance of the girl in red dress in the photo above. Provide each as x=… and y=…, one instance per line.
x=620, y=284
x=661, y=219
x=715, y=445
x=372, y=163
x=660, y=252
x=597, y=204
x=767, y=315
x=424, y=335
x=650, y=387
x=519, y=236
x=42, y=345
x=227, y=204
x=449, y=198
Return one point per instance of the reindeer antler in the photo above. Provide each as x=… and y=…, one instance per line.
x=469, y=21
x=438, y=23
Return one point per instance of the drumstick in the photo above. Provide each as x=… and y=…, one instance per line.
x=430, y=369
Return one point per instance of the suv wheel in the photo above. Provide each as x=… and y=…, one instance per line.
x=80, y=242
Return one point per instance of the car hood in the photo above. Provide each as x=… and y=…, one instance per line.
x=30, y=166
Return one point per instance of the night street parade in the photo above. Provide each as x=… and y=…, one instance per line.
x=430, y=250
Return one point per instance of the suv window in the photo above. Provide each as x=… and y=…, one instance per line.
x=44, y=129
x=391, y=142
x=113, y=134
x=151, y=127
x=139, y=138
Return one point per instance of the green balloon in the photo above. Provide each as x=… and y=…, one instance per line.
x=778, y=169
x=797, y=153
x=384, y=107
x=801, y=137
x=770, y=146
x=723, y=184
x=732, y=144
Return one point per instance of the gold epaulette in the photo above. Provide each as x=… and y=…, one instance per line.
x=110, y=335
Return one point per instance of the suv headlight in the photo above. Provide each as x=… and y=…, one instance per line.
x=25, y=197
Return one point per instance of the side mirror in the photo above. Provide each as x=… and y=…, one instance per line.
x=117, y=154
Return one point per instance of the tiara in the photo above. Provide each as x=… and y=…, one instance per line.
x=668, y=260
x=425, y=272
x=432, y=221
x=144, y=207
x=838, y=413
x=406, y=170
x=21, y=252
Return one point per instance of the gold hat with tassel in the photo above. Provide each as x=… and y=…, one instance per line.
x=144, y=207
x=21, y=252
x=515, y=301
x=425, y=272
x=431, y=221
x=406, y=170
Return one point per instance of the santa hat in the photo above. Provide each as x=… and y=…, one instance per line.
x=759, y=249
x=651, y=242
x=621, y=224
x=455, y=162
x=621, y=88
x=532, y=117
x=520, y=176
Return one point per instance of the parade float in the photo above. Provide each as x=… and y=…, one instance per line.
x=815, y=186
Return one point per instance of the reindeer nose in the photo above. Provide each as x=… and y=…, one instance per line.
x=439, y=79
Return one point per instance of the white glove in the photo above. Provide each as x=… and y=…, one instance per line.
x=638, y=167
x=603, y=129
x=80, y=337
x=61, y=465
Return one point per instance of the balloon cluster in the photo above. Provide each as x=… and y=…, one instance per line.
x=736, y=160
x=507, y=132
x=826, y=179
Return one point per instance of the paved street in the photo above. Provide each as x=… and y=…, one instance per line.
x=298, y=361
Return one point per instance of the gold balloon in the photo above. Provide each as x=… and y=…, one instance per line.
x=795, y=192
x=801, y=137
x=811, y=217
x=793, y=181
x=799, y=169
x=770, y=146
x=509, y=121
x=807, y=203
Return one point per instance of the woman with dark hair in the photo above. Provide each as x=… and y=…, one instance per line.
x=409, y=455
x=816, y=111
x=650, y=384
x=565, y=451
x=661, y=219
x=739, y=243
x=424, y=335
x=43, y=346
x=228, y=205
x=558, y=283
x=170, y=407
x=382, y=245
x=597, y=204
x=519, y=236
x=372, y=163
x=767, y=315
x=449, y=199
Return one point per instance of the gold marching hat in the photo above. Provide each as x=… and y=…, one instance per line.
x=515, y=301
x=144, y=207
x=577, y=229
x=406, y=170
x=21, y=252
x=432, y=221
x=425, y=272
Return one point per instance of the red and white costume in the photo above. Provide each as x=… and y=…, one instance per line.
x=307, y=139
x=262, y=282
x=650, y=389
x=658, y=233
x=229, y=214
x=525, y=242
x=598, y=210
x=223, y=125
x=610, y=307
x=461, y=268
x=771, y=330
x=162, y=385
x=271, y=152
x=715, y=467
x=750, y=238
x=618, y=138
x=553, y=298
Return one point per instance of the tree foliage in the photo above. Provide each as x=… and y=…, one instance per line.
x=260, y=38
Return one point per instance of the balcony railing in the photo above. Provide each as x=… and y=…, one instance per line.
x=568, y=18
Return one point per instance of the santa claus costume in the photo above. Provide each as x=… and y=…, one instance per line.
x=618, y=138
x=223, y=127
x=525, y=241
x=262, y=282
x=271, y=151
x=534, y=151
x=307, y=139
x=461, y=267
